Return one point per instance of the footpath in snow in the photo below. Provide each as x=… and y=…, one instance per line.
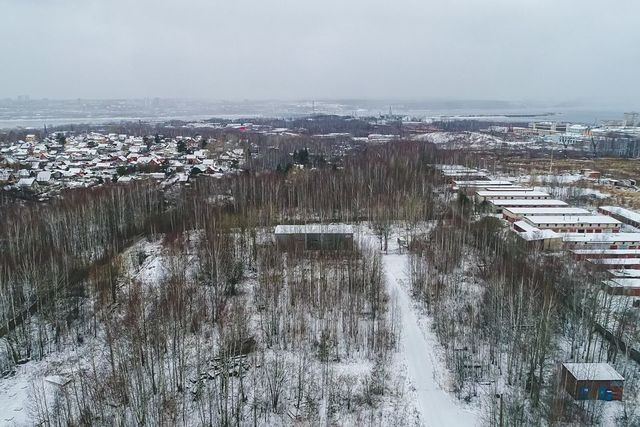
x=417, y=351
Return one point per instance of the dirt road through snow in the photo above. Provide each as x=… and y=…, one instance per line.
x=437, y=407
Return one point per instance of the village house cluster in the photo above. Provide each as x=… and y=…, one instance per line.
x=66, y=160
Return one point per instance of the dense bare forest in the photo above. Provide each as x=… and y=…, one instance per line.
x=157, y=307
x=232, y=331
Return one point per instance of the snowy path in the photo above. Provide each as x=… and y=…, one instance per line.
x=436, y=406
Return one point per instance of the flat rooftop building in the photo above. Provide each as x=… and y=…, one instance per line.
x=511, y=195
x=464, y=173
x=576, y=224
x=508, y=188
x=475, y=185
x=624, y=215
x=514, y=214
x=605, y=253
x=314, y=237
x=602, y=240
x=500, y=204
x=623, y=286
x=613, y=263
x=625, y=274
x=542, y=239
x=592, y=381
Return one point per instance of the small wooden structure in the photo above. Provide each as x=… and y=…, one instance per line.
x=314, y=237
x=592, y=381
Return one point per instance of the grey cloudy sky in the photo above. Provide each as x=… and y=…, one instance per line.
x=551, y=50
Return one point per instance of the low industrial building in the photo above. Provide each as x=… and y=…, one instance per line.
x=482, y=196
x=500, y=204
x=613, y=263
x=581, y=254
x=544, y=240
x=514, y=214
x=622, y=286
x=602, y=240
x=624, y=274
x=592, y=381
x=475, y=185
x=464, y=174
x=621, y=214
x=508, y=188
x=575, y=224
x=314, y=237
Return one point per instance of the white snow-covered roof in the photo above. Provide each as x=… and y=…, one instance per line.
x=26, y=182
x=543, y=211
x=615, y=261
x=525, y=226
x=623, y=212
x=452, y=167
x=508, y=188
x=583, y=219
x=467, y=174
x=601, y=237
x=628, y=273
x=539, y=235
x=44, y=176
x=527, y=202
x=593, y=372
x=476, y=183
x=524, y=193
x=606, y=251
x=623, y=283
x=315, y=229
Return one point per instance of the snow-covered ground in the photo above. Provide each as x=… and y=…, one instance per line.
x=467, y=139
x=418, y=351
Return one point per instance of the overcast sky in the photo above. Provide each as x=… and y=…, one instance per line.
x=549, y=50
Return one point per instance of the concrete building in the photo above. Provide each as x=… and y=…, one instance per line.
x=602, y=240
x=622, y=286
x=515, y=214
x=508, y=188
x=470, y=174
x=592, y=381
x=544, y=240
x=314, y=237
x=631, y=119
x=482, y=196
x=624, y=274
x=460, y=172
x=600, y=264
x=575, y=224
x=545, y=128
x=498, y=205
x=624, y=215
x=472, y=186
x=605, y=253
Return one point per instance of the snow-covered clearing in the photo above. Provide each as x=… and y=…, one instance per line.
x=418, y=351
